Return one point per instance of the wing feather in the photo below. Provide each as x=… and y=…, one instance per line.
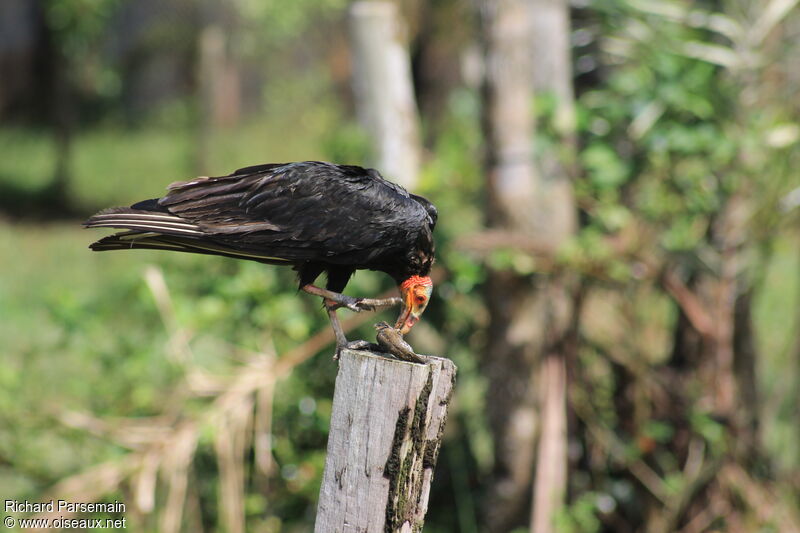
x=136, y=240
x=307, y=210
x=296, y=212
x=144, y=221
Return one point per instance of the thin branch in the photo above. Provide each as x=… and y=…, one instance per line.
x=770, y=17
x=491, y=240
x=690, y=304
x=93, y=484
x=176, y=464
x=178, y=346
x=649, y=479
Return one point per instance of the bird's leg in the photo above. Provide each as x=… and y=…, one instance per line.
x=354, y=304
x=370, y=304
x=341, y=340
x=334, y=300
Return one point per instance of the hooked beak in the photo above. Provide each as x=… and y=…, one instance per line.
x=415, y=300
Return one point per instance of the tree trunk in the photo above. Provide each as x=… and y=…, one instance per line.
x=384, y=89
x=552, y=74
x=528, y=316
x=62, y=116
x=516, y=339
x=219, y=90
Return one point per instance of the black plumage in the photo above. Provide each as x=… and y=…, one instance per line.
x=315, y=216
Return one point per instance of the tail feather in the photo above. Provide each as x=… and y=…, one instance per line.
x=158, y=229
x=135, y=219
x=138, y=240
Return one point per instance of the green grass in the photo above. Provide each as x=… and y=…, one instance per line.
x=112, y=166
x=76, y=335
x=27, y=160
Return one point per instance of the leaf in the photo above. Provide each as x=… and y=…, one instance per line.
x=782, y=135
x=713, y=53
x=606, y=169
x=645, y=119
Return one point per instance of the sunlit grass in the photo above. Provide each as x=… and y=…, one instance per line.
x=777, y=316
x=26, y=158
x=115, y=166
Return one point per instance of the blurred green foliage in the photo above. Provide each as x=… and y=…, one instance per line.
x=286, y=20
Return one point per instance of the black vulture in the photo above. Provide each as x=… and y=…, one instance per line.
x=315, y=216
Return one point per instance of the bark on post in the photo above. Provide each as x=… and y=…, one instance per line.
x=386, y=430
x=384, y=89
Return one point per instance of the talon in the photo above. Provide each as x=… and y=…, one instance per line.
x=359, y=345
x=350, y=303
x=354, y=345
x=364, y=306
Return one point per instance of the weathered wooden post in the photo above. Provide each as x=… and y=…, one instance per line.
x=386, y=430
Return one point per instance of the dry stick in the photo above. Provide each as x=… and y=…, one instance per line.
x=179, y=350
x=386, y=430
x=551, y=471
x=616, y=449
x=691, y=305
x=92, y=484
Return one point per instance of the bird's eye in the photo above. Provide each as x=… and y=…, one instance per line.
x=421, y=299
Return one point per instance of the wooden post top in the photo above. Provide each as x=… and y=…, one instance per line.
x=386, y=430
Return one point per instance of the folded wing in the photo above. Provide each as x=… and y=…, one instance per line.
x=273, y=213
